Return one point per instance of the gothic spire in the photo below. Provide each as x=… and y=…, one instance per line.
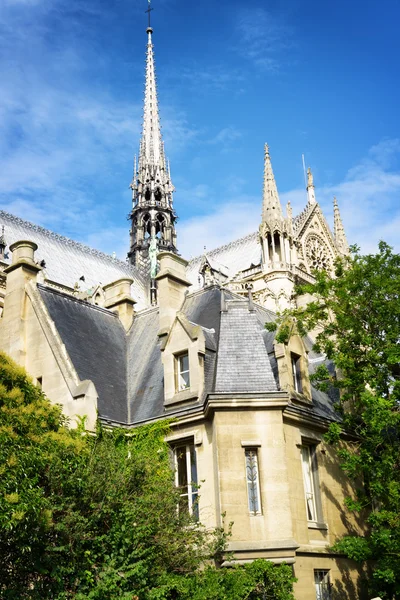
x=153, y=217
x=340, y=236
x=151, y=147
x=272, y=210
x=310, y=187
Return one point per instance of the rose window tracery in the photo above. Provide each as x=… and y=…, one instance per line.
x=317, y=253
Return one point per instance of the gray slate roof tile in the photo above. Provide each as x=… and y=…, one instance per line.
x=96, y=344
x=67, y=260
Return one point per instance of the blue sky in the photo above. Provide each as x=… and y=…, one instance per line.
x=306, y=77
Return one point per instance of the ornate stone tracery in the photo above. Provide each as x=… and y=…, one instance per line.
x=317, y=253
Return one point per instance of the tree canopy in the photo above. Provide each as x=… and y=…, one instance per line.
x=95, y=516
x=355, y=320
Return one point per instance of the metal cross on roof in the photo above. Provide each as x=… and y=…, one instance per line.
x=149, y=11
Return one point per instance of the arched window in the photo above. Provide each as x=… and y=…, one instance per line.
x=160, y=224
x=147, y=195
x=158, y=195
x=147, y=225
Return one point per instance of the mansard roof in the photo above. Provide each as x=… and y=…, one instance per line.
x=67, y=261
x=126, y=367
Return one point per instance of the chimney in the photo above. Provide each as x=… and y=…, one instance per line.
x=171, y=288
x=22, y=270
x=118, y=298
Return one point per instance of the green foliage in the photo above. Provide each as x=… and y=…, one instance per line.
x=356, y=316
x=95, y=517
x=257, y=580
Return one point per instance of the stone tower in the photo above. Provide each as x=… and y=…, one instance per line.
x=152, y=216
x=277, y=243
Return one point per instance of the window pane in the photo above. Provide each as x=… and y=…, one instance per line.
x=308, y=483
x=323, y=585
x=181, y=466
x=184, y=380
x=183, y=372
x=186, y=478
x=252, y=481
x=184, y=362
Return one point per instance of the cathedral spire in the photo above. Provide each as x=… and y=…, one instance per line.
x=153, y=217
x=272, y=210
x=340, y=236
x=310, y=187
x=151, y=147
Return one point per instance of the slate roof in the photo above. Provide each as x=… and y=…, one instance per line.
x=236, y=256
x=243, y=364
x=126, y=367
x=67, y=260
x=96, y=344
x=145, y=370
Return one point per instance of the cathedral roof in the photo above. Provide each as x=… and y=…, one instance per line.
x=235, y=256
x=66, y=261
x=96, y=344
x=126, y=367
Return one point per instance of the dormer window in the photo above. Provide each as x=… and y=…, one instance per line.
x=296, y=372
x=182, y=372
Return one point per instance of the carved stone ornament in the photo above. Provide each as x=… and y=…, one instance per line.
x=317, y=253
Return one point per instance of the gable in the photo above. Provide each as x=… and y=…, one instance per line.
x=316, y=246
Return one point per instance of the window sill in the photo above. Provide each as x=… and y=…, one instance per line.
x=302, y=398
x=182, y=396
x=317, y=525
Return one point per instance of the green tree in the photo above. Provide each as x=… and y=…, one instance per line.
x=95, y=516
x=356, y=315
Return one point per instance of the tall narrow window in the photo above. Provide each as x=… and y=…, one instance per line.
x=308, y=458
x=296, y=372
x=182, y=372
x=186, y=478
x=253, y=481
x=323, y=586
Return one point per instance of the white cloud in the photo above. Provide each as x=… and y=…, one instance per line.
x=368, y=198
x=230, y=221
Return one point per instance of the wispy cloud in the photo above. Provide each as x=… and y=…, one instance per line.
x=368, y=198
x=226, y=136
x=208, y=78
x=265, y=38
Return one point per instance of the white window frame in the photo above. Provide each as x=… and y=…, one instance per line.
x=188, y=449
x=295, y=360
x=181, y=383
x=323, y=586
x=253, y=481
x=308, y=462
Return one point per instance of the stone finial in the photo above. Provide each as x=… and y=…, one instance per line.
x=339, y=233
x=310, y=187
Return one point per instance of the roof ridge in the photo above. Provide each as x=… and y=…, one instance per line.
x=77, y=300
x=224, y=247
x=63, y=238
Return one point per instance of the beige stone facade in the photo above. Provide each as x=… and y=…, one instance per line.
x=161, y=337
